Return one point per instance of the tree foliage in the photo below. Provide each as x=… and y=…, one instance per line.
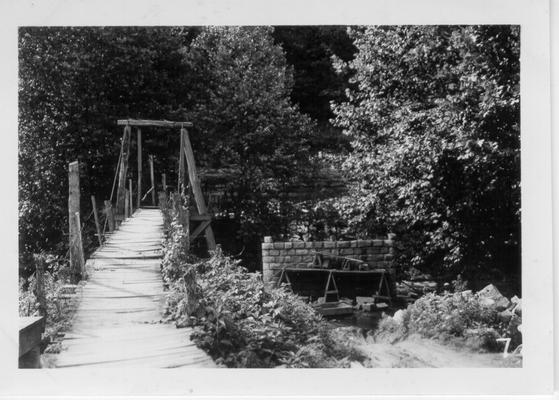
x=246, y=121
x=433, y=115
x=73, y=85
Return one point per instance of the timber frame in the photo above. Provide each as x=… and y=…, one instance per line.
x=185, y=153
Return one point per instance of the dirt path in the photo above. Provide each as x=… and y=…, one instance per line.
x=416, y=352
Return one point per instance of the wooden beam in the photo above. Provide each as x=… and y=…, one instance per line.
x=130, y=201
x=139, y=145
x=152, y=175
x=80, y=245
x=182, y=170
x=96, y=216
x=126, y=203
x=203, y=225
x=196, y=188
x=30, y=336
x=121, y=190
x=109, y=215
x=73, y=229
x=201, y=217
x=151, y=122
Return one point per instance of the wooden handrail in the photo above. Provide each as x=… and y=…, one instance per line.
x=150, y=122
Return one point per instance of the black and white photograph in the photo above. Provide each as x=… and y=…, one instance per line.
x=272, y=197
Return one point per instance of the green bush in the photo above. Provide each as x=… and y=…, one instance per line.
x=58, y=308
x=239, y=321
x=448, y=316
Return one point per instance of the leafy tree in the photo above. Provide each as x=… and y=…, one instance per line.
x=233, y=83
x=73, y=85
x=245, y=121
x=433, y=115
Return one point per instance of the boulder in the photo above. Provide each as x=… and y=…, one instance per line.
x=506, y=315
x=486, y=302
x=491, y=292
x=399, y=316
x=517, y=306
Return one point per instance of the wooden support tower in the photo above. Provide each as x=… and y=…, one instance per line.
x=121, y=189
x=186, y=161
x=197, y=190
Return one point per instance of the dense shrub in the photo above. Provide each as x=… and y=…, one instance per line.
x=239, y=321
x=450, y=316
x=59, y=308
x=433, y=114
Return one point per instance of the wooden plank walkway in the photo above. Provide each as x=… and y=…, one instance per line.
x=118, y=320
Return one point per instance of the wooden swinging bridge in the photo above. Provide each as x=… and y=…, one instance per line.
x=118, y=319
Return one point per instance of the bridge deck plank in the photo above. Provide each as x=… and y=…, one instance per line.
x=118, y=321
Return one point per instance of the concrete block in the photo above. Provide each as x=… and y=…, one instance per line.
x=378, y=242
x=288, y=245
x=296, y=259
x=267, y=246
x=346, y=252
x=389, y=242
x=279, y=245
x=301, y=252
x=298, y=245
x=273, y=252
x=353, y=243
x=267, y=259
x=329, y=245
x=318, y=245
x=309, y=245
x=342, y=244
x=290, y=252
x=388, y=257
x=267, y=239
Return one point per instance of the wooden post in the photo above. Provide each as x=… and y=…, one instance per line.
x=40, y=284
x=73, y=228
x=139, y=188
x=121, y=190
x=152, y=179
x=181, y=164
x=130, y=193
x=127, y=204
x=80, y=246
x=164, y=181
x=96, y=216
x=109, y=215
x=196, y=189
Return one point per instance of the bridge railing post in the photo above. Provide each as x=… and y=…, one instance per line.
x=74, y=228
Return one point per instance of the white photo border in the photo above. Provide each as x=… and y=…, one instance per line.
x=536, y=375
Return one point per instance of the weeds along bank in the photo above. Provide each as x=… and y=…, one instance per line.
x=54, y=298
x=482, y=321
x=239, y=321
